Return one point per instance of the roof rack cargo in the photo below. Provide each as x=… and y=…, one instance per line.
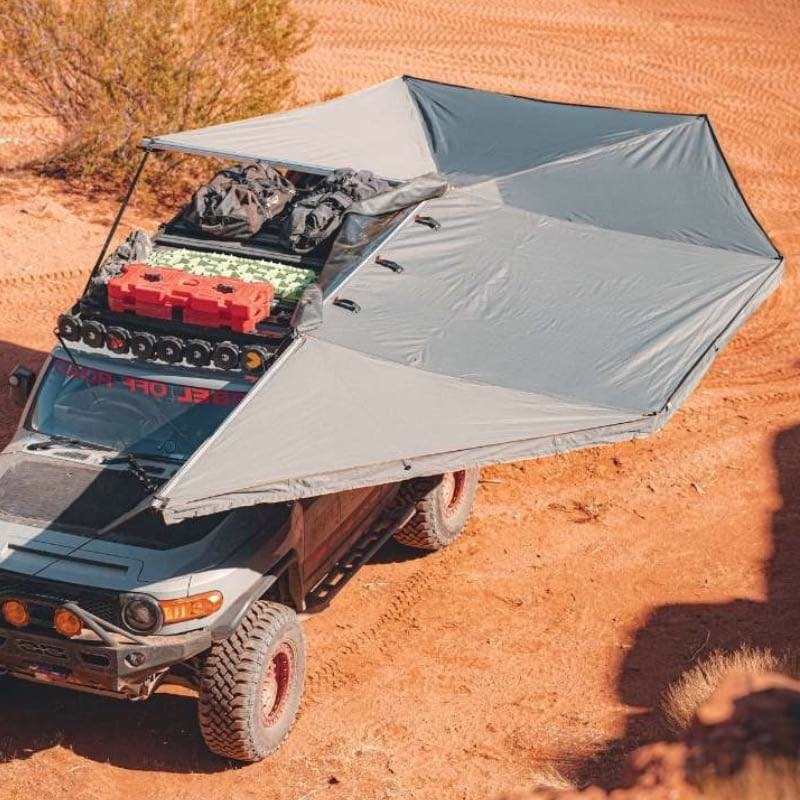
x=221, y=302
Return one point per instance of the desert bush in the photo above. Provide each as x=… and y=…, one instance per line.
x=760, y=778
x=697, y=684
x=549, y=778
x=113, y=71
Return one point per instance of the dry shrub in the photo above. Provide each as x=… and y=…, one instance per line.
x=591, y=511
x=113, y=71
x=697, y=684
x=761, y=778
x=550, y=777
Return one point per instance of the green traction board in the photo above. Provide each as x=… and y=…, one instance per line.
x=288, y=282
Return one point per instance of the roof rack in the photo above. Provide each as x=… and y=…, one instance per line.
x=176, y=332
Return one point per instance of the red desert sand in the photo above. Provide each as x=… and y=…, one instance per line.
x=584, y=583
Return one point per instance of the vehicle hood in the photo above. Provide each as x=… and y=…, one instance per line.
x=53, y=509
x=64, y=494
x=50, y=512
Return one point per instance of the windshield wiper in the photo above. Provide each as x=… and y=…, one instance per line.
x=56, y=440
x=146, y=456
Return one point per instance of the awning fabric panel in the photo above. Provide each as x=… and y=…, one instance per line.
x=333, y=408
x=670, y=184
x=475, y=135
x=589, y=265
x=448, y=409
x=583, y=313
x=379, y=128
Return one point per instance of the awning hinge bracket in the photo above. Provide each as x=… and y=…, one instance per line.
x=347, y=305
x=431, y=222
x=389, y=264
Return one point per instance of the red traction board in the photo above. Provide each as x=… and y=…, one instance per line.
x=212, y=302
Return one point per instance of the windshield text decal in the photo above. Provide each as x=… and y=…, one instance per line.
x=171, y=392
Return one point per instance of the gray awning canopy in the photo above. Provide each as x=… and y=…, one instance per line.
x=590, y=264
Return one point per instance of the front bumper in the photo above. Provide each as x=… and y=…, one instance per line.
x=112, y=666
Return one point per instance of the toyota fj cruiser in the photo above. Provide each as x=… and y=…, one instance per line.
x=97, y=592
x=508, y=312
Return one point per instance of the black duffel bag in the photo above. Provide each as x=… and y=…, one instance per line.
x=315, y=217
x=238, y=201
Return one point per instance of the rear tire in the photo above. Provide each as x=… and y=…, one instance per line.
x=251, y=684
x=443, y=503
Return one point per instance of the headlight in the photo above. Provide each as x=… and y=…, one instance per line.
x=254, y=359
x=226, y=356
x=93, y=333
x=69, y=327
x=141, y=613
x=143, y=345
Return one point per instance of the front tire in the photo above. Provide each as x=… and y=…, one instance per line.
x=443, y=503
x=252, y=683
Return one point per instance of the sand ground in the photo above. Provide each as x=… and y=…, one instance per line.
x=584, y=582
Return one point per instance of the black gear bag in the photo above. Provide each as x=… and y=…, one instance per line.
x=238, y=201
x=315, y=217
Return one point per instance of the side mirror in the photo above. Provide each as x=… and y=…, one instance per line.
x=21, y=382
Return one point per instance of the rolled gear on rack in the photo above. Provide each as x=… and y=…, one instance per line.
x=315, y=218
x=136, y=247
x=237, y=202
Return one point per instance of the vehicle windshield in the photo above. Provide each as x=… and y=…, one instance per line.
x=145, y=417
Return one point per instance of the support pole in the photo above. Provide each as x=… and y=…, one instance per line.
x=118, y=218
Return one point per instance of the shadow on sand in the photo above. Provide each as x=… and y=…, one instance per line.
x=675, y=636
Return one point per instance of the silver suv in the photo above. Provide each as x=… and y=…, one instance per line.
x=98, y=594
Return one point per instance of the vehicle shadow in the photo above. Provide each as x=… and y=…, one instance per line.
x=675, y=636
x=160, y=734
x=394, y=553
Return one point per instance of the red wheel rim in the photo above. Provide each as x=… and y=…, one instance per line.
x=277, y=683
x=452, y=488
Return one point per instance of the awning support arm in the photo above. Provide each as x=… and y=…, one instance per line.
x=122, y=208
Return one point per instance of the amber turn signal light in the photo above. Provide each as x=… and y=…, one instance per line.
x=67, y=623
x=194, y=607
x=15, y=613
x=254, y=359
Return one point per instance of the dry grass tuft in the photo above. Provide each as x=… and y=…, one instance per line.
x=697, y=684
x=759, y=779
x=550, y=777
x=111, y=72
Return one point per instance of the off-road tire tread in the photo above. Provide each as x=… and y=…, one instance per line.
x=422, y=531
x=419, y=531
x=230, y=682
